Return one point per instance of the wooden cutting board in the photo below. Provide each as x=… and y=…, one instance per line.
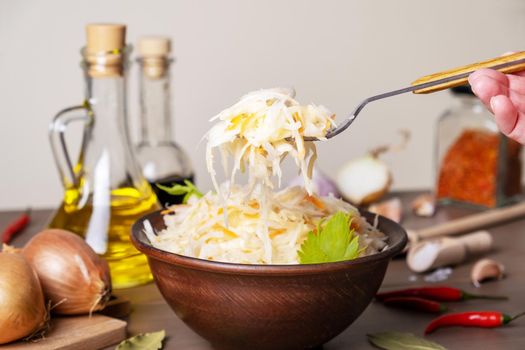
x=77, y=333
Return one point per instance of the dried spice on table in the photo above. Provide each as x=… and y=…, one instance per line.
x=401, y=341
x=473, y=169
x=145, y=341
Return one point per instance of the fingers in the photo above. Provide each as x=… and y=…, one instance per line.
x=487, y=84
x=504, y=95
x=516, y=83
x=494, y=74
x=505, y=114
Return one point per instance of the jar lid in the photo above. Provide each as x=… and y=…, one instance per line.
x=462, y=90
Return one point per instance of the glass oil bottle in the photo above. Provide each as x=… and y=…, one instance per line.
x=105, y=192
x=163, y=161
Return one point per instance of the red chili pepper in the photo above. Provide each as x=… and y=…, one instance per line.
x=436, y=293
x=484, y=319
x=16, y=226
x=416, y=303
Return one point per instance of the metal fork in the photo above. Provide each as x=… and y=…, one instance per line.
x=436, y=82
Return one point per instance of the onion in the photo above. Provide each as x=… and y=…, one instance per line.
x=364, y=180
x=22, y=308
x=74, y=278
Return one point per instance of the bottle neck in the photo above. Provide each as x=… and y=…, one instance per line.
x=106, y=76
x=107, y=99
x=155, y=101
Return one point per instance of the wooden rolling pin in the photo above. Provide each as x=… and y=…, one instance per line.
x=469, y=223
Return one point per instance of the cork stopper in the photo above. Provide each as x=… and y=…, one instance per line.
x=105, y=37
x=154, y=46
x=154, y=52
x=104, y=49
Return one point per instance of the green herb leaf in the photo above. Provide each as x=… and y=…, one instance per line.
x=402, y=341
x=188, y=190
x=146, y=341
x=334, y=241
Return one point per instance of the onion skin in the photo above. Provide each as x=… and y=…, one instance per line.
x=22, y=308
x=74, y=278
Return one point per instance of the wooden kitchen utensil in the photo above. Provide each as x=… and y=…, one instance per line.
x=439, y=81
x=446, y=251
x=468, y=223
x=77, y=333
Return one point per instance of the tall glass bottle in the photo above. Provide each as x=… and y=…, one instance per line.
x=162, y=160
x=105, y=192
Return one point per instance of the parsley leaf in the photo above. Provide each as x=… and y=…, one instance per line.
x=334, y=241
x=188, y=190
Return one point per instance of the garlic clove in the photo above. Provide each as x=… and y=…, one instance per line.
x=364, y=180
x=424, y=205
x=390, y=208
x=486, y=269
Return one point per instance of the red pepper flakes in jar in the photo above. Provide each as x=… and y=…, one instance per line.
x=471, y=170
x=476, y=163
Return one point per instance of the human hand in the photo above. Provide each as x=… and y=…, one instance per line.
x=504, y=96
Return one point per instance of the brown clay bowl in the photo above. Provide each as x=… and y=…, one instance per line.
x=238, y=306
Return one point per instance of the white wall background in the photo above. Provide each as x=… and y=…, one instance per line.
x=334, y=52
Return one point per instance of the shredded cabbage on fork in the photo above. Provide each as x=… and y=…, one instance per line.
x=260, y=130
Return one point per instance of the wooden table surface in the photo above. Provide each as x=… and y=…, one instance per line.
x=151, y=313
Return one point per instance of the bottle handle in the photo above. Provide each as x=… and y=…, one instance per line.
x=57, y=137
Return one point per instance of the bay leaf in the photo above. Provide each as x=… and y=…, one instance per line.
x=402, y=341
x=146, y=341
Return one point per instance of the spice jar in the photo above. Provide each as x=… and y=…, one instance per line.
x=476, y=164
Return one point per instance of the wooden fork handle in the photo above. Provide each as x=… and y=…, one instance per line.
x=493, y=63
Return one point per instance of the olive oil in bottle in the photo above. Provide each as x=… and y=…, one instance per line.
x=105, y=192
x=162, y=160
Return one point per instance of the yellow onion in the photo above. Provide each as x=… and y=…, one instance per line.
x=22, y=308
x=74, y=278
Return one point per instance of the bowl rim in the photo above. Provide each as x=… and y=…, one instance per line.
x=262, y=269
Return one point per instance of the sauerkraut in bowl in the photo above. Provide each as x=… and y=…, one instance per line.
x=255, y=222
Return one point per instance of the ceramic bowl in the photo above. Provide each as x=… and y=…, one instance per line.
x=239, y=306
